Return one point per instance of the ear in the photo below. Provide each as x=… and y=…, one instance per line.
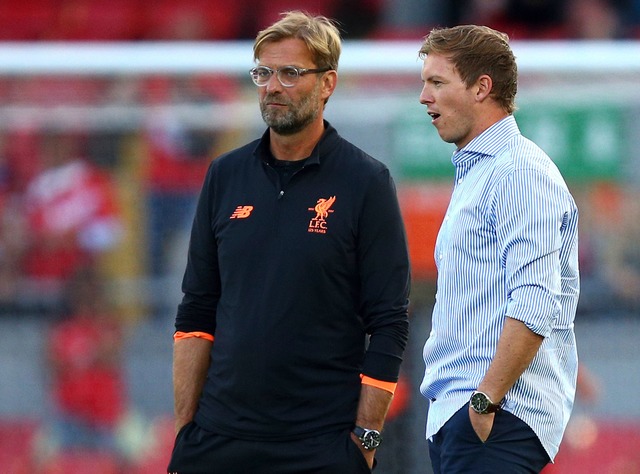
x=484, y=84
x=329, y=83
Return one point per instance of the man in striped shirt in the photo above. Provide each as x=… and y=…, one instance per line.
x=501, y=358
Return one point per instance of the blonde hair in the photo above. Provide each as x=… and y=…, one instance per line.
x=318, y=32
x=474, y=51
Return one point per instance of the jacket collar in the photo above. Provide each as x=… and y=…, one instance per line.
x=328, y=140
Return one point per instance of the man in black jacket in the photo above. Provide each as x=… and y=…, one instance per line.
x=291, y=331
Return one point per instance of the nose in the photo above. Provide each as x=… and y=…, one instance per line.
x=425, y=96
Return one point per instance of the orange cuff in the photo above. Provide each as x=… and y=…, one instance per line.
x=185, y=335
x=381, y=384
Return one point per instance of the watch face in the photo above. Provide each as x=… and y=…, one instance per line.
x=371, y=439
x=479, y=402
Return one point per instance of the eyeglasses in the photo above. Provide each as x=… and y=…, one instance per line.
x=287, y=75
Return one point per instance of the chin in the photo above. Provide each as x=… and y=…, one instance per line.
x=446, y=138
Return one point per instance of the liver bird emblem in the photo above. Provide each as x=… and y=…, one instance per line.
x=322, y=207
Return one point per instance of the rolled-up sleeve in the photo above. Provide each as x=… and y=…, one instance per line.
x=530, y=239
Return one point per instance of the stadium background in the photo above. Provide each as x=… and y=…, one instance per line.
x=143, y=95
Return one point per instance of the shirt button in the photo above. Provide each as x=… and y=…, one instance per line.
x=459, y=180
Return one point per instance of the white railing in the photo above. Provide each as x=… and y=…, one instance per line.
x=235, y=57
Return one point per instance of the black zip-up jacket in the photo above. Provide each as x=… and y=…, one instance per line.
x=290, y=280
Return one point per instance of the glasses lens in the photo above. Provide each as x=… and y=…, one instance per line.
x=288, y=75
x=261, y=75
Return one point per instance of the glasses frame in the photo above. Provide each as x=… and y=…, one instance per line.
x=300, y=71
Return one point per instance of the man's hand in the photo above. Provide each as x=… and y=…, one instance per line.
x=482, y=424
x=372, y=409
x=369, y=454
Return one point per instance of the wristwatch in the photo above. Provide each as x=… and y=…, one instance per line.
x=370, y=439
x=482, y=404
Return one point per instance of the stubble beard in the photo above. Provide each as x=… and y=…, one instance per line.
x=294, y=119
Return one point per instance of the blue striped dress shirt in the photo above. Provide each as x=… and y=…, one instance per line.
x=508, y=246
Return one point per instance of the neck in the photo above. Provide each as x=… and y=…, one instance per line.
x=297, y=146
x=484, y=121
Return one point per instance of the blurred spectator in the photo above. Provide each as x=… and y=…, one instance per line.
x=535, y=19
x=178, y=157
x=193, y=20
x=520, y=19
x=593, y=20
x=72, y=215
x=610, y=255
x=410, y=19
x=86, y=370
x=268, y=11
x=547, y=19
x=97, y=20
x=11, y=234
x=357, y=18
x=20, y=157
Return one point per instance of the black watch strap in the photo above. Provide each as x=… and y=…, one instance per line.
x=370, y=439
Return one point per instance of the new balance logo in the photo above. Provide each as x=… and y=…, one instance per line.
x=322, y=209
x=241, y=212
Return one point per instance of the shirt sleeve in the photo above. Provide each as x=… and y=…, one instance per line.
x=201, y=281
x=531, y=211
x=385, y=279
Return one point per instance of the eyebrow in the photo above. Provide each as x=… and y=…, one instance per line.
x=283, y=65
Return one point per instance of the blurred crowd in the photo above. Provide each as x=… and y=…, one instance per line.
x=67, y=192
x=137, y=20
x=55, y=222
x=520, y=19
x=72, y=199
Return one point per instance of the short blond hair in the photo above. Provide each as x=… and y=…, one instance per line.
x=474, y=51
x=319, y=33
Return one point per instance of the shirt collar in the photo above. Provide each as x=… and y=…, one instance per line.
x=489, y=142
x=327, y=141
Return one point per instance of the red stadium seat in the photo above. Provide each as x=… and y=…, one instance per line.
x=269, y=11
x=16, y=446
x=194, y=19
x=591, y=447
x=82, y=462
x=26, y=20
x=100, y=20
x=58, y=90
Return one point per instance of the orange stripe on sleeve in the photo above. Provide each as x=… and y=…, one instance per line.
x=185, y=335
x=381, y=384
